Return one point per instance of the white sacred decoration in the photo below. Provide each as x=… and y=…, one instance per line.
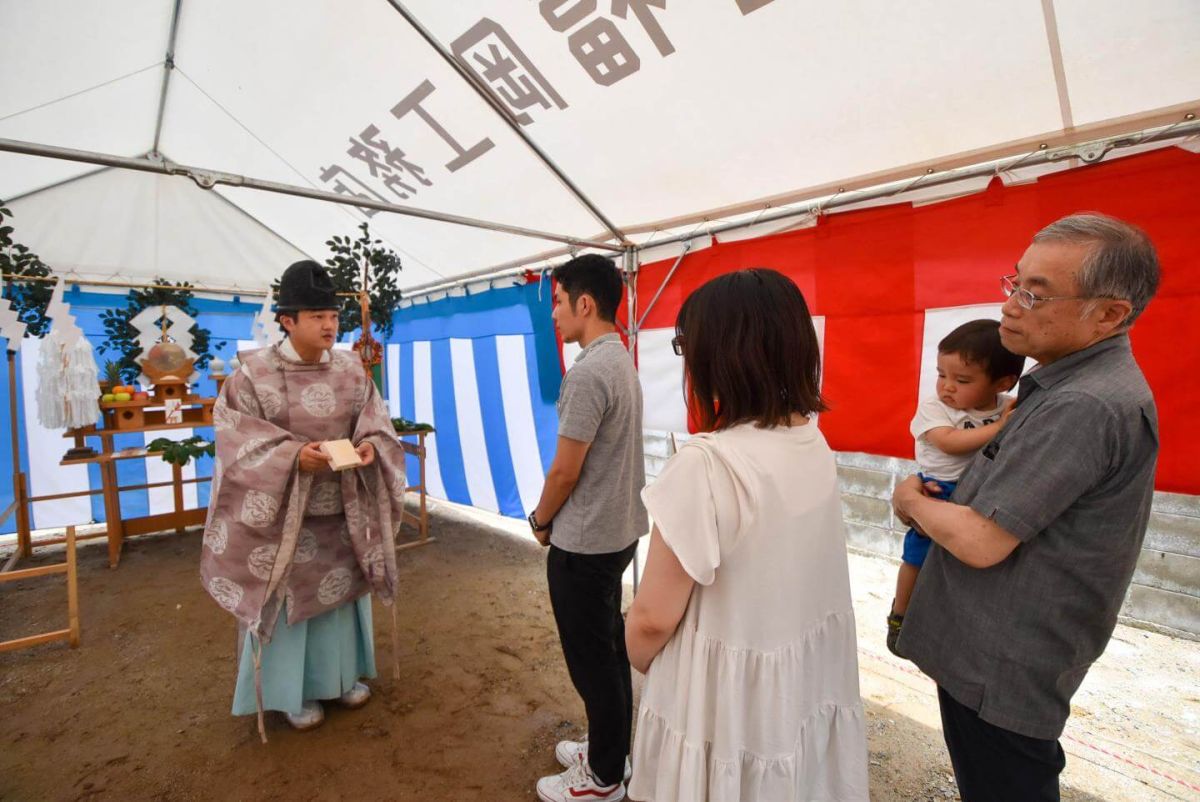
x=334, y=586
x=266, y=330
x=151, y=331
x=227, y=592
x=259, y=509
x=216, y=537
x=262, y=560
x=306, y=547
x=59, y=312
x=11, y=327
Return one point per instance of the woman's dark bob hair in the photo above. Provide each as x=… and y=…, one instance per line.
x=750, y=352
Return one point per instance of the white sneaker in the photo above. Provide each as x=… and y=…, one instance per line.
x=566, y=751
x=310, y=717
x=577, y=783
x=357, y=696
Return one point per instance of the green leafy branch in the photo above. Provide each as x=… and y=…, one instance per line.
x=345, y=269
x=406, y=425
x=180, y=452
x=29, y=298
x=121, y=337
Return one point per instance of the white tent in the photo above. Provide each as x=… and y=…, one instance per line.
x=618, y=122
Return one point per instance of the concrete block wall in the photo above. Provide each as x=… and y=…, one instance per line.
x=1165, y=594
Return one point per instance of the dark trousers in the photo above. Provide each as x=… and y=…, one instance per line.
x=585, y=592
x=992, y=764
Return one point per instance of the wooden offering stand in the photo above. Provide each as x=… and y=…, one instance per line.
x=137, y=415
x=144, y=415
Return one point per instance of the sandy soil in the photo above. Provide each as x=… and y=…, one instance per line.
x=141, y=710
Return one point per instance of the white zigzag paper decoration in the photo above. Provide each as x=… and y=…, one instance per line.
x=11, y=327
x=60, y=312
x=266, y=327
x=148, y=324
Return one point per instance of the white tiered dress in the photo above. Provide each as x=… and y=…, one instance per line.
x=756, y=695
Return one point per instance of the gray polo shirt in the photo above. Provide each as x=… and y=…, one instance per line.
x=600, y=402
x=1071, y=476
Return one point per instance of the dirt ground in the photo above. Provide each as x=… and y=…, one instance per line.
x=141, y=710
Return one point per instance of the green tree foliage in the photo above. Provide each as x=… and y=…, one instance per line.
x=345, y=267
x=121, y=336
x=29, y=298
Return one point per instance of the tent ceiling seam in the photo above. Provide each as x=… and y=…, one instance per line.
x=55, y=185
x=80, y=92
x=168, y=66
x=472, y=80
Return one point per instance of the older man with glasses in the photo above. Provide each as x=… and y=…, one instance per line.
x=1036, y=548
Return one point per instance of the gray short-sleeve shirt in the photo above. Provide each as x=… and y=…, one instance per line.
x=600, y=402
x=1072, y=477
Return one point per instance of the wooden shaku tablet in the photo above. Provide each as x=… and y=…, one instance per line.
x=341, y=454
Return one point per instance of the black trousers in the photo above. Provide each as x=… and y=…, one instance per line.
x=585, y=592
x=992, y=764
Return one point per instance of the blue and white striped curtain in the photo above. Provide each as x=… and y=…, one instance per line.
x=42, y=449
x=484, y=371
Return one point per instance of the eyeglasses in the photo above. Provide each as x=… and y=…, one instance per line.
x=1027, y=299
x=677, y=344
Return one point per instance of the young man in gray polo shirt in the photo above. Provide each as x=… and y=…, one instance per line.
x=1037, y=546
x=591, y=516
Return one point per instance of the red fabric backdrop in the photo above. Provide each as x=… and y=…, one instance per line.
x=873, y=273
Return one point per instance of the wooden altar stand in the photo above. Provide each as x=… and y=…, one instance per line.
x=20, y=506
x=419, y=520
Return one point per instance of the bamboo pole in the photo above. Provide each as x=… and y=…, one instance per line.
x=72, y=591
x=24, y=549
x=133, y=285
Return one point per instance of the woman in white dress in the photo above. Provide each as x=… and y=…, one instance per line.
x=743, y=623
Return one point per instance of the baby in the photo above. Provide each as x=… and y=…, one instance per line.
x=968, y=410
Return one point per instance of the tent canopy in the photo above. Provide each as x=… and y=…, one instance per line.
x=629, y=118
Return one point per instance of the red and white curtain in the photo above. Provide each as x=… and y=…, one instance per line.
x=886, y=283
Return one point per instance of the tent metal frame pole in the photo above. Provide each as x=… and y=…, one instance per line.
x=510, y=120
x=68, y=278
x=168, y=68
x=207, y=179
x=687, y=246
x=630, y=269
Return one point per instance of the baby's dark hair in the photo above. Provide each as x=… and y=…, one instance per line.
x=978, y=343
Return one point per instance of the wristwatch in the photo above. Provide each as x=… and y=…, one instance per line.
x=534, y=525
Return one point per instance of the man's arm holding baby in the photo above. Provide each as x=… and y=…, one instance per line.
x=953, y=441
x=975, y=540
